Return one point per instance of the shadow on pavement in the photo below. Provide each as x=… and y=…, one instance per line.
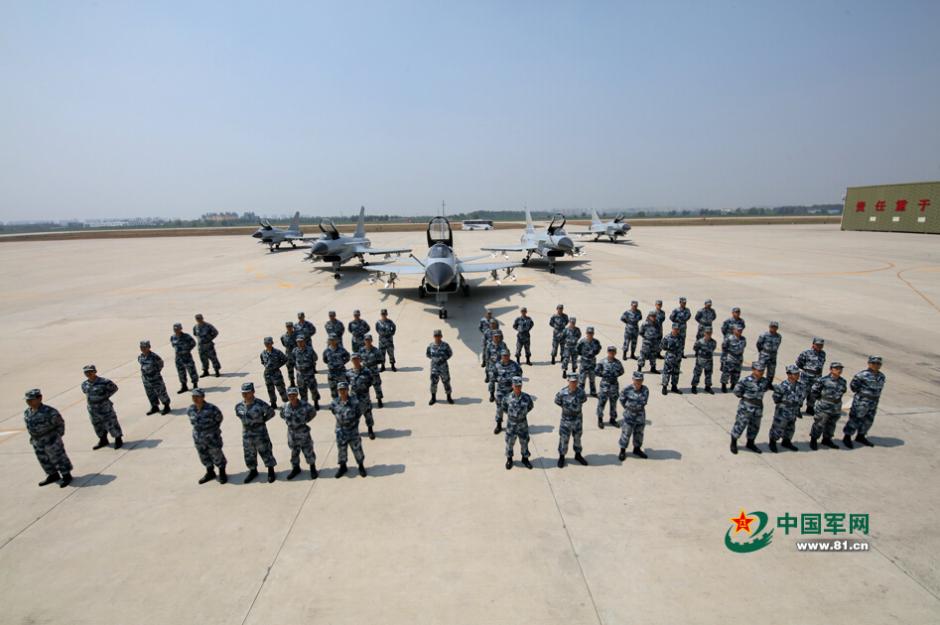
x=392, y=433
x=98, y=479
x=146, y=443
x=396, y=404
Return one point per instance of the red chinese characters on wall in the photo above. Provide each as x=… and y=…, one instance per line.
x=900, y=206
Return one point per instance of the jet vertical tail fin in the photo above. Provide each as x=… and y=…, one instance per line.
x=529, y=227
x=361, y=223
x=595, y=220
x=295, y=222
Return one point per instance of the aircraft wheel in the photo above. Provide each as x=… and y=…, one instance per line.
x=465, y=289
x=337, y=275
x=525, y=261
x=421, y=292
x=551, y=269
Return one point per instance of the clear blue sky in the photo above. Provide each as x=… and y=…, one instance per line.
x=178, y=108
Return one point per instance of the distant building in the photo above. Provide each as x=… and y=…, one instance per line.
x=910, y=207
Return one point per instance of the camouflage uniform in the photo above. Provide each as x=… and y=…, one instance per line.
x=750, y=391
x=100, y=408
x=305, y=362
x=336, y=328
x=150, y=367
x=46, y=428
x=289, y=341
x=558, y=323
x=484, y=327
x=728, y=325
x=672, y=346
x=206, y=334
x=867, y=386
x=439, y=355
x=272, y=361
x=732, y=356
x=360, y=381
x=634, y=415
x=371, y=359
x=523, y=326
x=517, y=408
x=568, y=349
x=609, y=371
x=705, y=317
x=306, y=328
x=829, y=391
x=207, y=434
x=572, y=419
x=255, y=439
x=358, y=328
x=587, y=351
x=650, y=346
x=631, y=330
x=494, y=353
x=347, y=415
x=660, y=316
x=704, y=360
x=386, y=328
x=788, y=396
x=298, y=432
x=503, y=375
x=485, y=355
x=811, y=365
x=768, y=344
x=183, y=345
x=681, y=316
x=335, y=360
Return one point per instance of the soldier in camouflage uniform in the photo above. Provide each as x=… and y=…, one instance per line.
x=558, y=322
x=359, y=380
x=494, y=353
x=372, y=359
x=98, y=392
x=335, y=358
x=386, y=328
x=650, y=346
x=358, y=328
x=517, y=406
x=297, y=414
x=335, y=327
x=631, y=319
x=571, y=399
x=867, y=386
x=488, y=335
x=486, y=326
x=46, y=428
x=523, y=326
x=768, y=344
x=828, y=391
x=705, y=317
x=439, y=353
x=206, y=420
x=750, y=391
x=811, y=363
x=659, y=316
x=183, y=345
x=254, y=415
x=568, y=347
x=206, y=334
x=681, y=315
x=672, y=346
x=272, y=359
x=633, y=399
x=732, y=355
x=587, y=350
x=504, y=372
x=305, y=327
x=734, y=320
x=788, y=396
x=289, y=341
x=347, y=412
x=704, y=350
x=609, y=371
x=305, y=363
x=150, y=367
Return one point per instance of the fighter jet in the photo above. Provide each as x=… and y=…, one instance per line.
x=442, y=271
x=274, y=236
x=551, y=243
x=335, y=248
x=612, y=229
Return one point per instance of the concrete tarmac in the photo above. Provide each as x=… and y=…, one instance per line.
x=440, y=531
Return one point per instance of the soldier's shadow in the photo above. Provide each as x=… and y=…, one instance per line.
x=883, y=441
x=661, y=454
x=146, y=443
x=236, y=374
x=541, y=429
x=96, y=479
x=392, y=433
x=378, y=470
x=601, y=459
x=402, y=370
x=398, y=404
x=465, y=401
x=216, y=389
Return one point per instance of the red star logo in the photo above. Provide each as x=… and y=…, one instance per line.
x=742, y=522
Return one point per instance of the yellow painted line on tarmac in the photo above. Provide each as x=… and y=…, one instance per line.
x=930, y=268
x=6, y=435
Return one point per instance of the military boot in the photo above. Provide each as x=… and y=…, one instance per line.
x=362, y=470
x=342, y=470
x=694, y=390
x=561, y=461
x=450, y=399
x=182, y=390
x=294, y=472
x=613, y=421
x=210, y=475
x=553, y=360
x=639, y=453
x=52, y=477
x=812, y=443
x=528, y=361
x=675, y=389
x=393, y=367
x=772, y=443
x=864, y=441
x=371, y=434
x=381, y=367
x=526, y=463
x=665, y=390
x=102, y=442
x=205, y=374
x=828, y=442
x=508, y=463
x=492, y=398
x=217, y=374
x=223, y=477
x=118, y=442
x=708, y=389
x=314, y=474
x=154, y=409
x=433, y=400
x=811, y=411
x=580, y=458
x=498, y=428
x=66, y=480
x=600, y=423
x=483, y=364
x=271, y=475
x=654, y=369
x=753, y=446
x=623, y=454
x=166, y=408
x=379, y=403
x=788, y=444
x=724, y=387
x=251, y=476
x=316, y=404
x=734, y=445
x=847, y=441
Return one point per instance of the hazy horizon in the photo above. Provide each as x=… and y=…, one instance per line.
x=174, y=110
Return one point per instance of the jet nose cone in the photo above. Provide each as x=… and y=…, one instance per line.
x=319, y=248
x=439, y=275
x=256, y=234
x=565, y=244
x=625, y=227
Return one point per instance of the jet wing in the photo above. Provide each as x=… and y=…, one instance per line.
x=400, y=269
x=509, y=248
x=361, y=249
x=465, y=267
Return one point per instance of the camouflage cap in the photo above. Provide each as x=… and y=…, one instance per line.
x=611, y=348
x=145, y=343
x=505, y=354
x=818, y=341
x=572, y=319
x=517, y=380
x=589, y=330
x=494, y=323
x=488, y=311
x=874, y=360
x=523, y=309
x=633, y=302
x=384, y=311
x=559, y=306
x=793, y=369
x=438, y=333
x=836, y=365
x=659, y=301
x=177, y=326
x=651, y=315
x=356, y=313
x=33, y=393
x=706, y=329
x=300, y=314
x=676, y=325
x=198, y=316
x=198, y=392
x=774, y=324
x=708, y=302
x=293, y=390
x=498, y=333
x=268, y=340
x=248, y=387
x=735, y=310
x=757, y=365
x=638, y=375
x=367, y=337
x=88, y=368
x=736, y=327
x=332, y=337
x=289, y=324
x=331, y=313
x=682, y=300
x=343, y=386
x=356, y=356
x=572, y=377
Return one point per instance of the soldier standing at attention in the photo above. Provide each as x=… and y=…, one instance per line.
x=335, y=327
x=828, y=390
x=558, y=322
x=272, y=359
x=46, y=428
x=494, y=354
x=289, y=341
x=346, y=410
x=867, y=386
x=811, y=363
x=650, y=346
x=750, y=391
x=672, y=346
x=609, y=371
x=359, y=380
x=523, y=326
x=439, y=353
x=487, y=344
x=254, y=415
x=732, y=355
x=788, y=396
x=660, y=316
x=517, y=406
x=150, y=367
x=305, y=362
x=487, y=324
x=681, y=315
x=183, y=344
x=386, y=329
x=98, y=392
x=206, y=334
x=506, y=370
x=587, y=350
x=335, y=358
x=206, y=420
x=305, y=327
x=631, y=319
x=705, y=317
x=768, y=344
x=372, y=359
x=569, y=344
x=297, y=414
x=571, y=399
x=358, y=328
x=704, y=349
x=634, y=399
x=732, y=321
